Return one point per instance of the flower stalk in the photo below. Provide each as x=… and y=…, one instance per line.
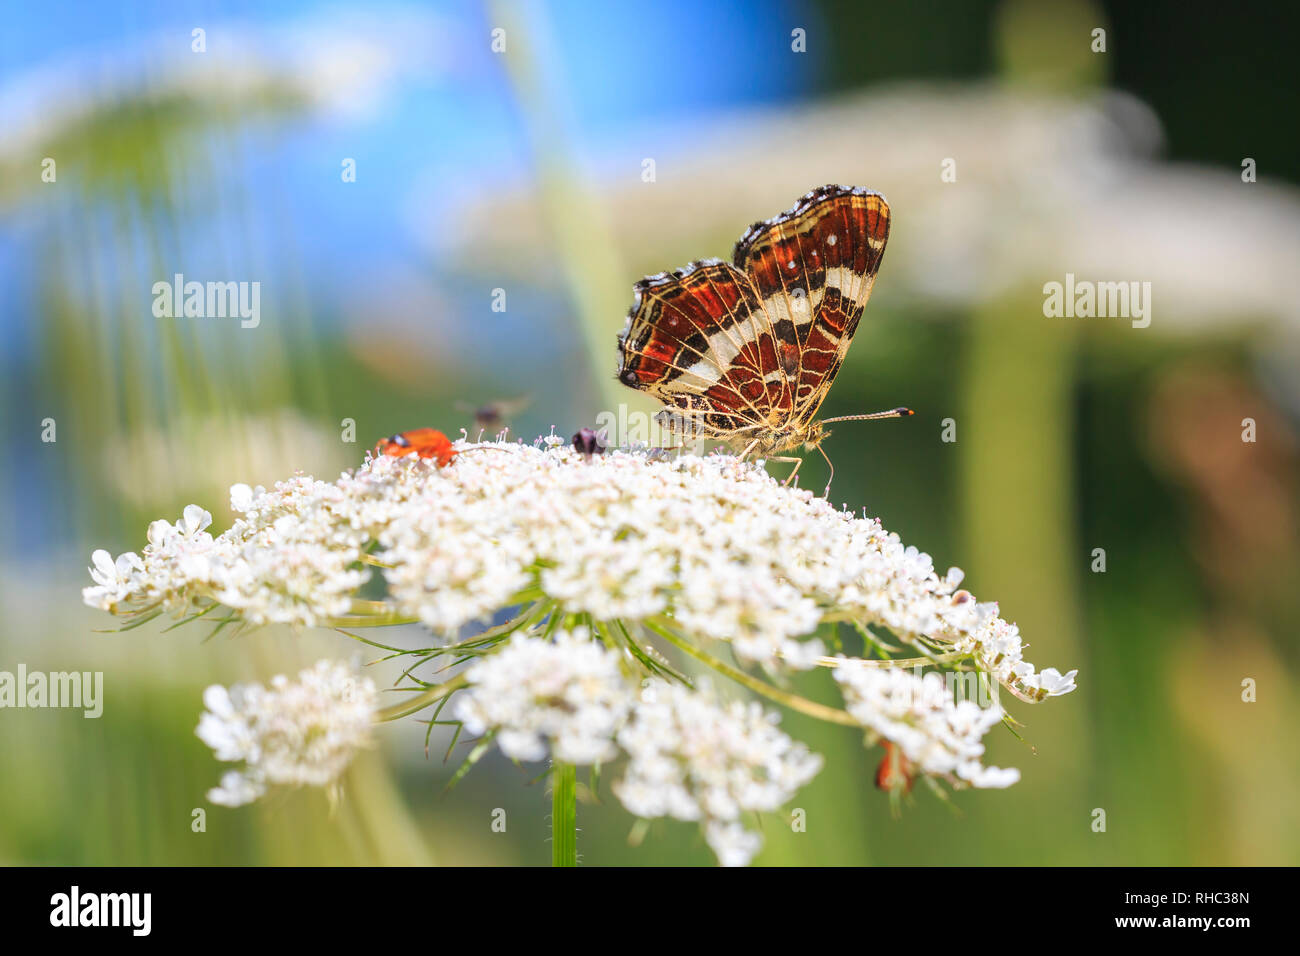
x=793, y=701
x=420, y=701
x=564, y=814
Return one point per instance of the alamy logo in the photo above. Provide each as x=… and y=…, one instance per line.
x=83, y=690
x=208, y=300
x=102, y=909
x=1084, y=299
x=666, y=429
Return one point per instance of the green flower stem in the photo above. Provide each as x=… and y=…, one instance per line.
x=948, y=658
x=387, y=618
x=564, y=814
x=417, y=703
x=786, y=699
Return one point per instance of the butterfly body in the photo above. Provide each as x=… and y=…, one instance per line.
x=745, y=351
x=762, y=442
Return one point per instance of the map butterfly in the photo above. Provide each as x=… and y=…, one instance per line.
x=745, y=351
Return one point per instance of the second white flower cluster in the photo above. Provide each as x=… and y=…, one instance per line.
x=692, y=757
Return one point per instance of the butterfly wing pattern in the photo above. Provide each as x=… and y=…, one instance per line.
x=745, y=351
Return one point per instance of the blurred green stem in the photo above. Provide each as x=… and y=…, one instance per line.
x=1016, y=443
x=564, y=814
x=785, y=698
x=588, y=250
x=420, y=701
x=1017, y=465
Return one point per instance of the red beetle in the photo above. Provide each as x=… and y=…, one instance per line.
x=425, y=442
x=895, y=773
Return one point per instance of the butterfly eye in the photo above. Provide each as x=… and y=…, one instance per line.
x=628, y=377
x=400, y=440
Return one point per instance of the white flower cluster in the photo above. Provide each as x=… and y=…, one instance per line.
x=174, y=558
x=691, y=758
x=287, y=561
x=689, y=548
x=918, y=714
x=694, y=759
x=998, y=650
x=298, y=732
x=570, y=693
x=709, y=545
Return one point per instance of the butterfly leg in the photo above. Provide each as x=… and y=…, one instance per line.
x=790, y=477
x=748, y=448
x=831, y=478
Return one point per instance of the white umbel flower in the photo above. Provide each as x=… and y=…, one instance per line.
x=568, y=694
x=708, y=545
x=292, y=732
x=694, y=759
x=605, y=563
x=115, y=580
x=919, y=716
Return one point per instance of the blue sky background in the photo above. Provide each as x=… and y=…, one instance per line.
x=616, y=71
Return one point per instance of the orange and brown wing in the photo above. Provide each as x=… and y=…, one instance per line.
x=697, y=340
x=813, y=267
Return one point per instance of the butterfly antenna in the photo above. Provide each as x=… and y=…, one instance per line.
x=892, y=413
